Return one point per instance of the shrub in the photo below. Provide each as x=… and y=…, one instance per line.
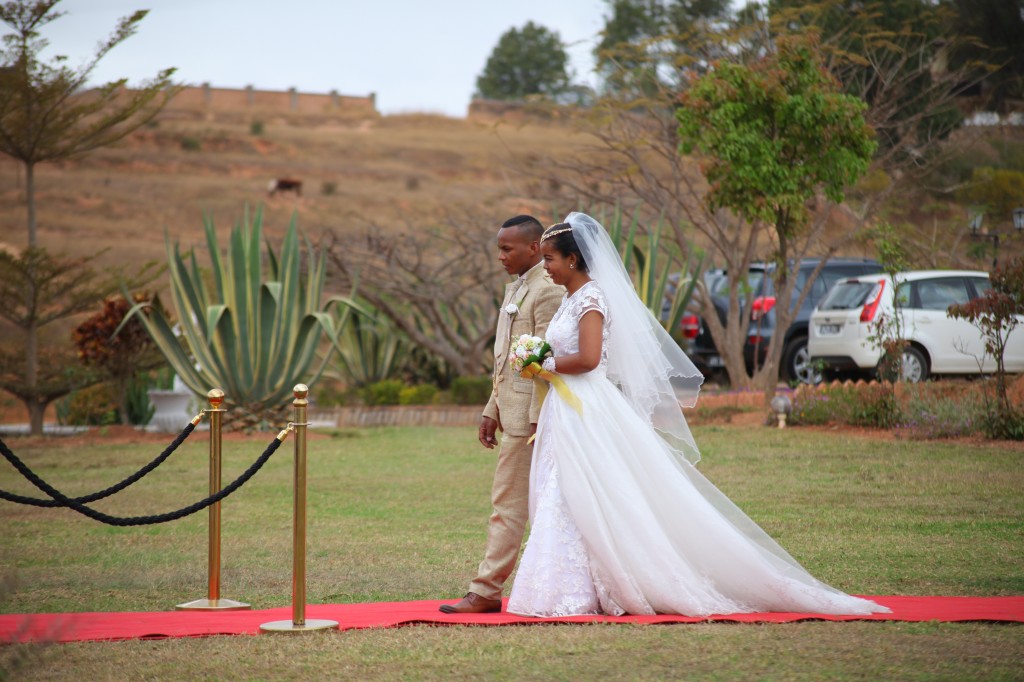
x=471, y=390
x=874, y=405
x=814, y=408
x=256, y=127
x=859, y=404
x=137, y=404
x=191, y=144
x=386, y=392
x=421, y=394
x=92, y=406
x=938, y=410
x=1006, y=426
x=330, y=394
x=328, y=188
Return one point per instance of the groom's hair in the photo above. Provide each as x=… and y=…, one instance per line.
x=529, y=226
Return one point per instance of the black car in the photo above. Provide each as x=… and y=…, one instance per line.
x=760, y=289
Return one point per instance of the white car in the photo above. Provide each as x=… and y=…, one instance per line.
x=841, y=326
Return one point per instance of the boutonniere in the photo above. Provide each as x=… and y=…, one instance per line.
x=513, y=308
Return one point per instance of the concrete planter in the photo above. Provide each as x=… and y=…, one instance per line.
x=172, y=410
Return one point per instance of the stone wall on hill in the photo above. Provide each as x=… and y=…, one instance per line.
x=233, y=100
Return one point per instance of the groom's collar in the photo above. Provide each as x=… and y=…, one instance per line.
x=526, y=275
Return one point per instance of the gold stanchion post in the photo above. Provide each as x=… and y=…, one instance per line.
x=298, y=623
x=213, y=602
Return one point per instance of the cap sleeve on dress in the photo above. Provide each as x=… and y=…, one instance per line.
x=592, y=298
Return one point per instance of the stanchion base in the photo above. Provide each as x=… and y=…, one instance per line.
x=213, y=605
x=288, y=626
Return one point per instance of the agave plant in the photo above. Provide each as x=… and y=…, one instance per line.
x=252, y=326
x=370, y=349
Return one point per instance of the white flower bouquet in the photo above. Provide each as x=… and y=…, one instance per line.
x=527, y=350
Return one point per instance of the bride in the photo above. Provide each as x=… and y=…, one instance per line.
x=621, y=520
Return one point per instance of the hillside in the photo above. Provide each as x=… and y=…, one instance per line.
x=393, y=171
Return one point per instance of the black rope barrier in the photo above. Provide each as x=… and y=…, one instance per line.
x=116, y=488
x=145, y=520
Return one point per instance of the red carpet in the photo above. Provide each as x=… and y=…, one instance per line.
x=76, y=627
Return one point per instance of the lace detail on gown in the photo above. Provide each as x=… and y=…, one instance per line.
x=564, y=328
x=554, y=576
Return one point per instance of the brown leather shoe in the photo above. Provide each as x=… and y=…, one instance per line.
x=472, y=603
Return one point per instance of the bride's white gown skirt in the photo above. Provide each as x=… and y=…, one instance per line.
x=620, y=525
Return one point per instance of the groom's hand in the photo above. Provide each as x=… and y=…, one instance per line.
x=488, y=427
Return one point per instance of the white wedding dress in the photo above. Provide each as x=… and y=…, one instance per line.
x=620, y=524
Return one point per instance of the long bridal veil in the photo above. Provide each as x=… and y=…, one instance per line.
x=657, y=378
x=643, y=360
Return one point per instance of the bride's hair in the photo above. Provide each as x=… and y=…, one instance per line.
x=560, y=237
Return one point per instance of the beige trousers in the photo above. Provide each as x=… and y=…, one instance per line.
x=510, y=498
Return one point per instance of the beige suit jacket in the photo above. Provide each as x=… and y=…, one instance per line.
x=514, y=403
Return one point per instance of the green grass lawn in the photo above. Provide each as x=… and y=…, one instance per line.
x=399, y=514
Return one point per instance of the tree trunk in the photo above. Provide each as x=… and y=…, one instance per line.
x=30, y=201
x=36, y=411
x=121, y=386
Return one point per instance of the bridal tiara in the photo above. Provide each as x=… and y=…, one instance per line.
x=548, y=235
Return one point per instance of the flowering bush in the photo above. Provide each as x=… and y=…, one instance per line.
x=857, y=404
x=934, y=409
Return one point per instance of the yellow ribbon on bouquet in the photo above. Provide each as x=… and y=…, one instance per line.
x=572, y=400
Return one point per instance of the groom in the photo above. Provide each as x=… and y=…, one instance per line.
x=530, y=303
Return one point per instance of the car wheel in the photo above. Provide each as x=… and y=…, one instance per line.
x=915, y=365
x=797, y=363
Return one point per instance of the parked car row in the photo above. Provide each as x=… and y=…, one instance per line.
x=836, y=329
x=845, y=334
x=759, y=288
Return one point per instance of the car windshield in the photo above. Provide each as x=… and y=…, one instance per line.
x=847, y=295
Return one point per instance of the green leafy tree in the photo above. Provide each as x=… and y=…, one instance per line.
x=38, y=289
x=647, y=43
x=776, y=136
x=527, y=61
x=46, y=112
x=997, y=190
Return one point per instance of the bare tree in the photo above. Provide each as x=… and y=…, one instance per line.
x=440, y=286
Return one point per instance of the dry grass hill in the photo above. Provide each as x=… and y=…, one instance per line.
x=394, y=171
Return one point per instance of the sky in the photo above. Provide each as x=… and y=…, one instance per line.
x=416, y=55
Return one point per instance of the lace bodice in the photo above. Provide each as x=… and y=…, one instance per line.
x=564, y=329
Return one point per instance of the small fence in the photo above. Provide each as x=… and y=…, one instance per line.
x=215, y=413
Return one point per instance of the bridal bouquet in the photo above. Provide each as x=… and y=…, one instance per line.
x=527, y=350
x=526, y=356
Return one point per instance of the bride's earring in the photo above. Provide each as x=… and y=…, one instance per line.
x=572, y=266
